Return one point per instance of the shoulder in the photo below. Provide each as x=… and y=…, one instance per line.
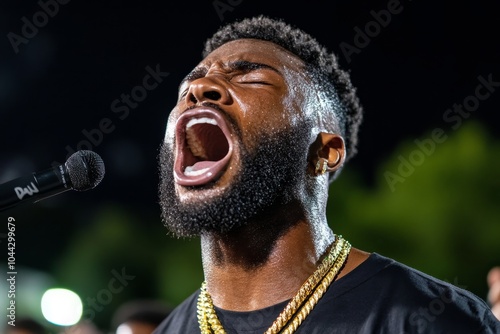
x=384, y=293
x=182, y=319
x=419, y=284
x=437, y=303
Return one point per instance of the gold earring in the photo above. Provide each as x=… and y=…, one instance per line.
x=321, y=166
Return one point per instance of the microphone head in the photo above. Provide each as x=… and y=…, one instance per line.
x=85, y=169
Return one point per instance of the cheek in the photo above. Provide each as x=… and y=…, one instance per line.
x=294, y=106
x=265, y=112
x=264, y=119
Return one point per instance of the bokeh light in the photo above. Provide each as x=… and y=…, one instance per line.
x=62, y=307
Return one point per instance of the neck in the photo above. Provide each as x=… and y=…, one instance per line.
x=256, y=267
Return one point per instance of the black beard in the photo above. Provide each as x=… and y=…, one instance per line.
x=271, y=179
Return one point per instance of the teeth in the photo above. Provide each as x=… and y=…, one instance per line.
x=193, y=141
x=190, y=172
x=201, y=121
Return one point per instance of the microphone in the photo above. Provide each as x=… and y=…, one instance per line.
x=82, y=171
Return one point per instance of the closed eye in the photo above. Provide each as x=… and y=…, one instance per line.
x=253, y=78
x=254, y=83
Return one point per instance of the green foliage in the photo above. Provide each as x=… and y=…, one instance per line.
x=442, y=218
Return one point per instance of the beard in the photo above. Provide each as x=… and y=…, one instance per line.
x=266, y=192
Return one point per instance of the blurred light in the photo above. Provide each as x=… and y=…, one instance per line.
x=61, y=307
x=124, y=329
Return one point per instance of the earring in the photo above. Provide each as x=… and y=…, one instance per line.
x=321, y=166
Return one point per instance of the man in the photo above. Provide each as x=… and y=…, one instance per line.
x=262, y=126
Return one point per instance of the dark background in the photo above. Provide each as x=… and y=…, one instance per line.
x=65, y=78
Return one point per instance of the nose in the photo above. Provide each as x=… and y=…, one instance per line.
x=208, y=89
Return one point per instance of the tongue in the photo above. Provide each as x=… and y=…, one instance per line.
x=198, y=168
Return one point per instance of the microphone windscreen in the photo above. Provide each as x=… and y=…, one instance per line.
x=85, y=169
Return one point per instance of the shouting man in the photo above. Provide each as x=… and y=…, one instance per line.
x=262, y=126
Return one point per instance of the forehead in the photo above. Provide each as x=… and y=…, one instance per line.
x=255, y=50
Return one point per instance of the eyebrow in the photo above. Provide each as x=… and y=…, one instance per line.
x=247, y=66
x=239, y=65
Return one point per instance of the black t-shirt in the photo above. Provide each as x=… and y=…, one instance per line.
x=379, y=296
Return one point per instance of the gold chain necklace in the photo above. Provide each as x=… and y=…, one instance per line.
x=299, y=306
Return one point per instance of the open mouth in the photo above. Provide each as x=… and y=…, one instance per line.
x=204, y=147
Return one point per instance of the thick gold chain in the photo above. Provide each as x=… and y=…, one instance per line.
x=298, y=308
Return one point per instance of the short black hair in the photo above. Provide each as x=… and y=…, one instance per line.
x=320, y=63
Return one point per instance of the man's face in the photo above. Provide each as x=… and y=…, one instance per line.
x=236, y=142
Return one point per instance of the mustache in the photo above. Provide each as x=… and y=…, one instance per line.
x=207, y=104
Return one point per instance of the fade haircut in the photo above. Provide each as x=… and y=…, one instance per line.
x=321, y=65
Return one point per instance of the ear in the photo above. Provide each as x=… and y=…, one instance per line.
x=327, y=153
